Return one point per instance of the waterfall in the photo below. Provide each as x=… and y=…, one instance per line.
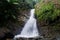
x=30, y=28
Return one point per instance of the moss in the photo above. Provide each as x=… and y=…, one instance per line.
x=49, y=12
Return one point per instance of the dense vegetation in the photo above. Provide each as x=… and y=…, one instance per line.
x=49, y=12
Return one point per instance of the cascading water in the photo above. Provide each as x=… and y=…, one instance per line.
x=30, y=29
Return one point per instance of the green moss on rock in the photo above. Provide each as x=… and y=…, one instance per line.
x=49, y=12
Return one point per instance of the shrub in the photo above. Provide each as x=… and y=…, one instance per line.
x=49, y=12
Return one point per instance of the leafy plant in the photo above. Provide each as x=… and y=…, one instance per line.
x=48, y=12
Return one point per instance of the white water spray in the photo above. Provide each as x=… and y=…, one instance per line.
x=30, y=29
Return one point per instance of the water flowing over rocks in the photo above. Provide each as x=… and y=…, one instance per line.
x=30, y=28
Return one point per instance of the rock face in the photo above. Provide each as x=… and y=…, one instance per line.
x=14, y=28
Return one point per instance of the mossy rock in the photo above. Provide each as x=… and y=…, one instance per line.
x=49, y=11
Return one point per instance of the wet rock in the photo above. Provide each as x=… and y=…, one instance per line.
x=7, y=33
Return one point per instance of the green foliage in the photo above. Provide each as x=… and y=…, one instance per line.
x=49, y=12
x=45, y=11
